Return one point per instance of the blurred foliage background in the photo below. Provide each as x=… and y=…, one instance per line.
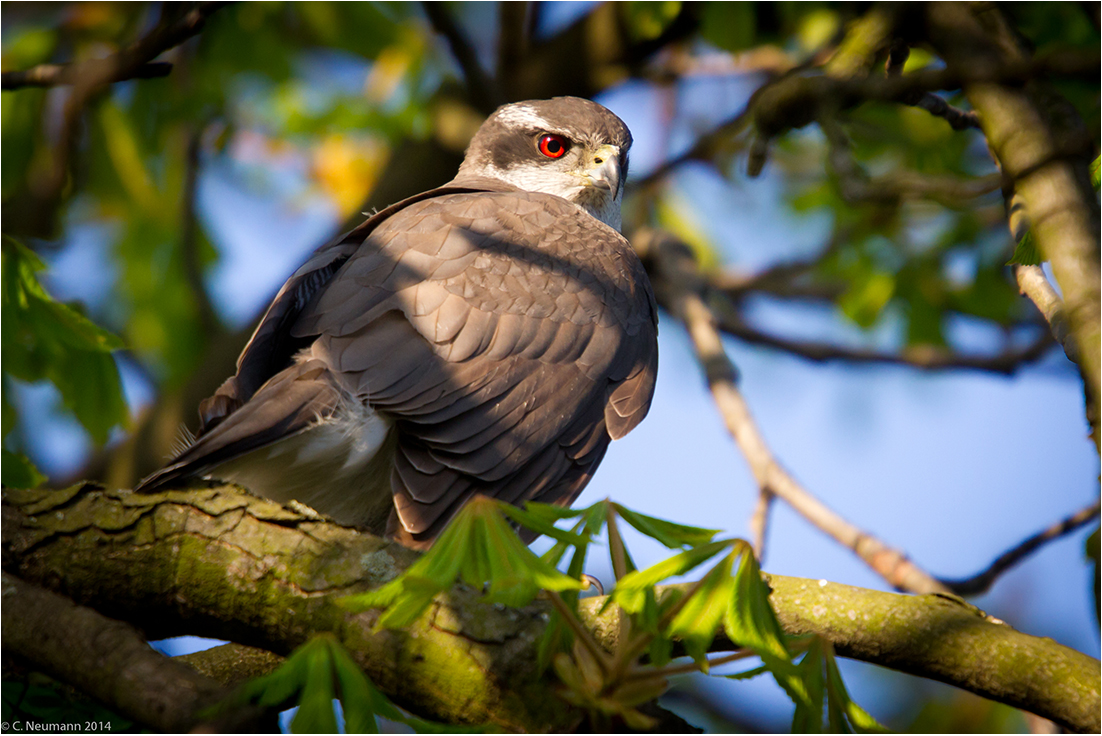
x=118, y=204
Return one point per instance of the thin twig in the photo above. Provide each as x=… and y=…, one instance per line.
x=678, y=274
x=982, y=581
x=794, y=101
x=855, y=185
x=759, y=521
x=647, y=672
x=925, y=357
x=56, y=75
x=706, y=145
x=482, y=88
x=91, y=79
x=958, y=119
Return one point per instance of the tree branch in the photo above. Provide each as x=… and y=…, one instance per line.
x=1047, y=163
x=481, y=88
x=794, y=101
x=133, y=62
x=1034, y=285
x=221, y=564
x=62, y=638
x=92, y=78
x=55, y=75
x=937, y=636
x=189, y=238
x=682, y=288
x=232, y=664
x=925, y=357
x=217, y=562
x=982, y=581
x=855, y=185
x=958, y=119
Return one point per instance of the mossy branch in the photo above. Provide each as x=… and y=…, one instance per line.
x=217, y=562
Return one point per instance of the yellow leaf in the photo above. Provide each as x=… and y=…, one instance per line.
x=346, y=169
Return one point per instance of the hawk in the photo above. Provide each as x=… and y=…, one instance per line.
x=491, y=336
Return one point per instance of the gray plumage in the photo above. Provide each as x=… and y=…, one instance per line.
x=484, y=337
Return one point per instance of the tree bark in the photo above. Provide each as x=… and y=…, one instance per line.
x=1045, y=152
x=217, y=562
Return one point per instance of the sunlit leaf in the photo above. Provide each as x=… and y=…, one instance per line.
x=698, y=620
x=667, y=532
x=533, y=520
x=751, y=622
x=317, y=673
x=839, y=702
x=630, y=590
x=867, y=297
x=1026, y=252
x=478, y=547
x=808, y=716
x=748, y=674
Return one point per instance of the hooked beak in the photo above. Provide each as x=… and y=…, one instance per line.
x=604, y=171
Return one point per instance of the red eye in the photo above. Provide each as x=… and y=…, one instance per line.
x=552, y=146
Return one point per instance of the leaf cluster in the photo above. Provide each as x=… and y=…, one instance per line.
x=657, y=624
x=317, y=675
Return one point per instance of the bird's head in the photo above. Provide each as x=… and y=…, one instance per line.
x=566, y=146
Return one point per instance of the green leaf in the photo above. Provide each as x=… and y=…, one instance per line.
x=751, y=622
x=839, y=701
x=808, y=716
x=539, y=523
x=478, y=546
x=867, y=296
x=19, y=472
x=1096, y=173
x=730, y=26
x=647, y=20
x=748, y=674
x=358, y=697
x=1025, y=252
x=630, y=591
x=35, y=696
x=698, y=620
x=315, y=707
x=45, y=339
x=668, y=533
x=318, y=672
x=819, y=675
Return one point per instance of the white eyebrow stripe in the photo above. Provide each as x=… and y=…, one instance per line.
x=518, y=115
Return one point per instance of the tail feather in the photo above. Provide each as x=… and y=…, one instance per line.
x=291, y=402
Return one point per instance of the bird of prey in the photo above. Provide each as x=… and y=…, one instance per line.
x=491, y=336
